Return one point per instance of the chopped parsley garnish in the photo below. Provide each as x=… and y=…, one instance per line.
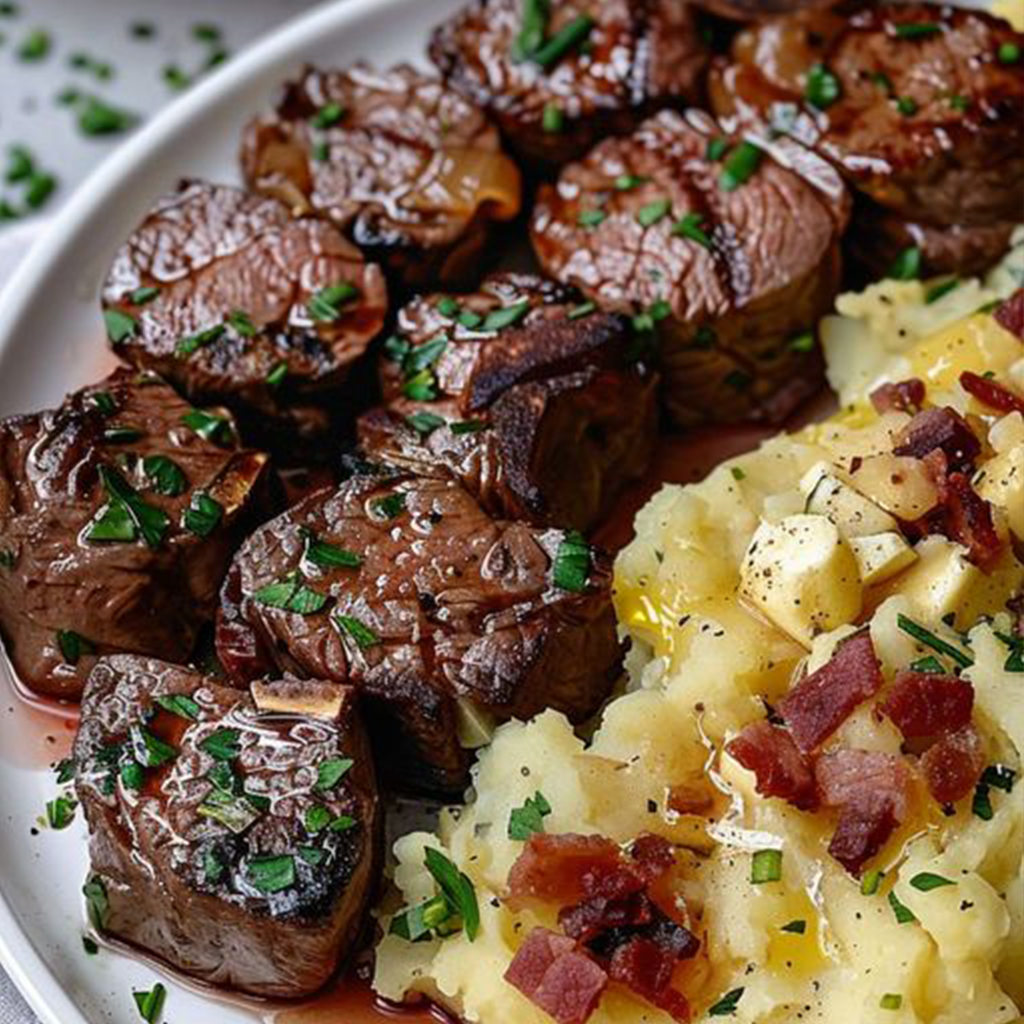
x=423, y=357
x=241, y=323
x=508, y=316
x=822, y=88
x=126, y=516
x=326, y=304
x=1015, y=660
x=801, y=342
x=214, y=867
x=203, y=515
x=1008, y=53
x=329, y=114
x=60, y=812
x=120, y=326
x=277, y=375
x=995, y=776
x=389, y=507
x=582, y=310
x=903, y=915
x=65, y=771
x=690, y=227
x=470, y=320
x=96, y=117
x=424, y=423
x=871, y=881
x=8, y=559
x=548, y=54
x=468, y=426
x=929, y=639
x=150, y=1004
x=533, y=29
x=627, y=182
x=928, y=664
x=766, y=866
x=363, y=636
x=396, y=348
x=999, y=776
x=329, y=556
x=552, y=120
x=906, y=105
x=222, y=745
x=572, y=563
x=726, y=1006
x=907, y=265
x=209, y=426
x=121, y=433
x=35, y=46
x=421, y=386
x=237, y=814
x=142, y=295
x=916, y=29
x=132, y=775
x=591, y=218
x=925, y=881
x=524, y=821
x=457, y=889
x=194, y=342
x=716, y=149
x=891, y=1001
x=178, y=704
x=737, y=473
x=73, y=645
x=165, y=476
x=96, y=901
x=797, y=927
x=149, y=750
x=330, y=772
x=652, y=212
x=103, y=402
x=316, y=819
x=448, y=307
x=291, y=595
x=312, y=856
x=937, y=291
x=740, y=165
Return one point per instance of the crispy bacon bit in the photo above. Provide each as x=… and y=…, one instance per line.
x=781, y=770
x=904, y=396
x=562, y=869
x=592, y=918
x=872, y=790
x=968, y=520
x=646, y=966
x=991, y=393
x=953, y=765
x=652, y=856
x=686, y=798
x=941, y=428
x=1011, y=314
x=928, y=703
x=819, y=704
x=556, y=975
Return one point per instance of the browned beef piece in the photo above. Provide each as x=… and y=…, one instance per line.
x=749, y=10
x=912, y=102
x=442, y=617
x=234, y=836
x=733, y=253
x=405, y=167
x=524, y=392
x=233, y=301
x=553, y=101
x=119, y=513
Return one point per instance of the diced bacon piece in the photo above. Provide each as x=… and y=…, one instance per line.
x=562, y=869
x=991, y=393
x=928, y=703
x=590, y=919
x=819, y=704
x=904, y=396
x=939, y=428
x=872, y=790
x=953, y=765
x=652, y=856
x=646, y=968
x=781, y=770
x=685, y=798
x=1010, y=314
x=557, y=976
x=968, y=519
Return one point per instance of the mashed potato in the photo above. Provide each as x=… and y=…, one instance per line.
x=709, y=646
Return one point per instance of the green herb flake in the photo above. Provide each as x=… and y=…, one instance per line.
x=424, y=423
x=906, y=105
x=423, y=357
x=121, y=433
x=73, y=645
x=907, y=265
x=457, y=889
x=120, y=326
x=236, y=814
x=342, y=823
x=591, y=218
x=60, y=812
x=726, y=1006
x=1008, y=53
x=552, y=120
x=327, y=116
x=96, y=117
x=959, y=103
x=113, y=524
x=214, y=868
x=96, y=901
x=241, y=323
x=470, y=320
x=916, y=29
x=179, y=704
x=150, y=522
x=362, y=634
x=716, y=149
x=141, y=296
x=150, y=1004
x=149, y=750
x=871, y=881
x=209, y=426
x=797, y=927
x=740, y=166
x=89, y=945
x=1015, y=659
x=316, y=819
x=142, y=30
x=194, y=342
x=222, y=745
x=460, y=427
x=508, y=316
x=291, y=595
x=690, y=227
x=175, y=78
x=8, y=559
x=766, y=866
x=35, y=46
x=572, y=563
x=65, y=771
x=448, y=307
x=165, y=476
x=312, y=856
x=524, y=821
x=822, y=88
x=628, y=182
x=568, y=38
x=582, y=310
x=925, y=881
x=276, y=377
x=325, y=305
x=416, y=923
x=533, y=29
x=330, y=772
x=928, y=639
x=803, y=342
x=391, y=506
x=999, y=776
x=329, y=556
x=737, y=473
x=903, y=915
x=203, y=515
x=652, y=212
x=891, y=1001
x=938, y=291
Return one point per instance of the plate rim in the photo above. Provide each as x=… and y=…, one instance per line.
x=19, y=956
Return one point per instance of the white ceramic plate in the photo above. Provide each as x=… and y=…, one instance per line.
x=51, y=342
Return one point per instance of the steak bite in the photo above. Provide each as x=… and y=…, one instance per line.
x=405, y=167
x=119, y=513
x=557, y=82
x=732, y=251
x=445, y=619
x=920, y=106
x=235, y=837
x=233, y=301
x=524, y=392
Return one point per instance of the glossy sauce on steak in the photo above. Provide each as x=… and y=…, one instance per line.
x=445, y=619
x=233, y=301
x=528, y=394
x=235, y=837
x=405, y=167
x=730, y=249
x=119, y=513
x=558, y=80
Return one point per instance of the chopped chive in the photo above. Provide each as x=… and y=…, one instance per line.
x=121, y=434
x=120, y=326
x=906, y=105
x=690, y=227
x=422, y=357
x=206, y=32
x=652, y=212
x=904, y=915
x=20, y=165
x=591, y=218
x=331, y=772
x=149, y=750
x=60, y=812
x=241, y=323
x=363, y=636
x=740, y=166
x=871, y=881
x=891, y=1001
x=627, y=182
x=716, y=149
x=191, y=344
x=907, y=265
x=468, y=426
x=277, y=375
x=389, y=507
x=457, y=888
x=179, y=704
x=417, y=922
x=291, y=595
x=424, y=423
x=797, y=927
x=533, y=29
x=150, y=1004
x=203, y=515
x=766, y=866
x=925, y=881
x=938, y=291
x=470, y=320
x=325, y=305
x=330, y=556
x=96, y=117
x=803, y=342
x=582, y=310
x=959, y=103
x=822, y=88
x=552, y=119
x=1015, y=660
x=35, y=46
x=140, y=296
x=928, y=664
x=209, y=426
x=421, y=386
x=150, y=522
x=508, y=316
x=328, y=115
x=568, y=38
x=175, y=78
x=916, y=29
x=737, y=473
x=97, y=902
x=726, y=1006
x=571, y=569
x=448, y=307
x=929, y=639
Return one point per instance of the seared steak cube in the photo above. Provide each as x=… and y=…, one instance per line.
x=524, y=392
x=445, y=619
x=558, y=80
x=729, y=251
x=405, y=167
x=234, y=302
x=233, y=836
x=119, y=513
